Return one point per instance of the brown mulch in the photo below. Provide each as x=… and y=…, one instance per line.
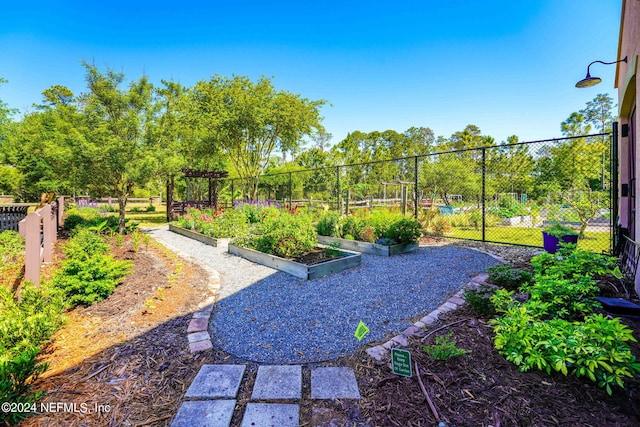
x=127, y=354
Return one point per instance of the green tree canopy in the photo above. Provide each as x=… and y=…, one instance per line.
x=249, y=120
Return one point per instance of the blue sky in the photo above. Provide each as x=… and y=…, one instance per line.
x=508, y=67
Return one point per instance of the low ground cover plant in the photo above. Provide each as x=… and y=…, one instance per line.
x=445, y=348
x=557, y=328
x=11, y=257
x=26, y=324
x=508, y=277
x=380, y=227
x=89, y=273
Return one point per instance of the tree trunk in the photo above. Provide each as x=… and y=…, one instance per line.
x=122, y=204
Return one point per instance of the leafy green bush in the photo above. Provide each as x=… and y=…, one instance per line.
x=94, y=218
x=17, y=374
x=31, y=321
x=558, y=230
x=11, y=257
x=444, y=349
x=351, y=225
x=596, y=348
x=479, y=300
x=25, y=325
x=405, y=231
x=89, y=274
x=572, y=264
x=285, y=235
x=216, y=223
x=561, y=298
x=508, y=277
x=328, y=224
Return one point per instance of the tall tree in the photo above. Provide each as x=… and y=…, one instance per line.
x=249, y=120
x=120, y=154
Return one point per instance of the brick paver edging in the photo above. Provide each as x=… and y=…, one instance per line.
x=379, y=352
x=198, y=329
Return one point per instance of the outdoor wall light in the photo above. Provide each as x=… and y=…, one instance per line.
x=592, y=81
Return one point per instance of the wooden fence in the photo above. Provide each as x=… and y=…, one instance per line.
x=40, y=230
x=11, y=215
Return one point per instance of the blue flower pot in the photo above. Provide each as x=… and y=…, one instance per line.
x=552, y=243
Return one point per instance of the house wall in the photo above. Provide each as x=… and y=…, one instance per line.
x=626, y=83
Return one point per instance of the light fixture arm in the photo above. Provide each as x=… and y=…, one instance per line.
x=605, y=63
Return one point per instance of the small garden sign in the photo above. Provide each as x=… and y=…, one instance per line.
x=401, y=362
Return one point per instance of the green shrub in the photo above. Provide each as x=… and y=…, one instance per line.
x=381, y=221
x=285, y=235
x=25, y=325
x=444, y=348
x=572, y=264
x=11, y=257
x=561, y=298
x=17, y=374
x=89, y=274
x=558, y=230
x=351, y=225
x=328, y=224
x=94, y=218
x=367, y=235
x=479, y=300
x=227, y=224
x=508, y=277
x=405, y=231
x=31, y=321
x=596, y=348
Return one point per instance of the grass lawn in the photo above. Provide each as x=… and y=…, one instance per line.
x=148, y=219
x=593, y=241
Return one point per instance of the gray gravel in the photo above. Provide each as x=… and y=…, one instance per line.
x=268, y=316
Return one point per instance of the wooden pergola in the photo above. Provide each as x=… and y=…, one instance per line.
x=174, y=207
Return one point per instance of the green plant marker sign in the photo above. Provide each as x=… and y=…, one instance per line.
x=401, y=362
x=361, y=331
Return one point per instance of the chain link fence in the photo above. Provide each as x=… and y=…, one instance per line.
x=500, y=194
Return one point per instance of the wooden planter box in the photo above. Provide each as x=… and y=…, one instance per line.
x=295, y=268
x=369, y=248
x=212, y=241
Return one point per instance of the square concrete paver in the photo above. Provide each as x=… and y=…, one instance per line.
x=216, y=381
x=334, y=383
x=278, y=382
x=271, y=415
x=205, y=413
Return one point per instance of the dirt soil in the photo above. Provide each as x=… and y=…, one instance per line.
x=129, y=354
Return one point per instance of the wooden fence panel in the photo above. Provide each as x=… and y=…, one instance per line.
x=40, y=230
x=11, y=215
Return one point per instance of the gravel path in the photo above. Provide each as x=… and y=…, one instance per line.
x=268, y=316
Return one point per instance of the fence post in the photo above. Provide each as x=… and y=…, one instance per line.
x=484, y=228
x=30, y=230
x=290, y=192
x=415, y=187
x=48, y=233
x=338, y=195
x=60, y=212
x=404, y=199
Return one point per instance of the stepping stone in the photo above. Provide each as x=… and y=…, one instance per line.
x=334, y=383
x=278, y=382
x=207, y=413
x=271, y=415
x=216, y=381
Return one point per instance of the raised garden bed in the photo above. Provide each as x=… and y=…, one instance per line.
x=369, y=248
x=212, y=241
x=350, y=260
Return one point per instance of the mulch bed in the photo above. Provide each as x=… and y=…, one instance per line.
x=483, y=389
x=124, y=355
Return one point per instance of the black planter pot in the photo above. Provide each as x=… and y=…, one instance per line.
x=552, y=243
